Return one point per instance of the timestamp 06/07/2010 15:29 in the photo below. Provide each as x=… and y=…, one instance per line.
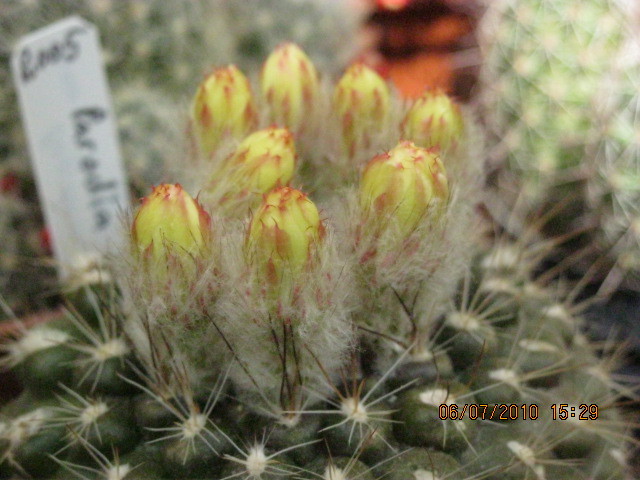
x=514, y=411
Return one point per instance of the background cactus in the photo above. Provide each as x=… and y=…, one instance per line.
x=554, y=82
x=612, y=187
x=270, y=344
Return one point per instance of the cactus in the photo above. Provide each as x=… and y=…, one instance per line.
x=555, y=89
x=612, y=191
x=337, y=334
x=543, y=68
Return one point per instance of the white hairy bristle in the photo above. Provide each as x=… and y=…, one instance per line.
x=619, y=456
x=463, y=321
x=524, y=453
x=559, y=312
x=526, y=456
x=35, y=340
x=25, y=426
x=424, y=475
x=436, y=397
x=118, y=472
x=354, y=410
x=334, y=473
x=537, y=346
x=193, y=425
x=114, y=348
x=501, y=259
x=505, y=375
x=90, y=415
x=256, y=461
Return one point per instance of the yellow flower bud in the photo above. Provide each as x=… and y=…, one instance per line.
x=264, y=160
x=289, y=84
x=402, y=186
x=223, y=106
x=434, y=120
x=284, y=234
x=361, y=101
x=170, y=222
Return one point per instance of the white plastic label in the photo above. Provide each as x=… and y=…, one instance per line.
x=70, y=127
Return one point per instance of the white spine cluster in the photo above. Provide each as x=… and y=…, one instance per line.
x=30, y=342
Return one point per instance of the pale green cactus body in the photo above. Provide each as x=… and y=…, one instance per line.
x=543, y=68
x=558, y=98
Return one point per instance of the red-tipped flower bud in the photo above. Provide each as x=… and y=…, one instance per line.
x=289, y=84
x=170, y=223
x=361, y=101
x=402, y=186
x=284, y=234
x=222, y=107
x=264, y=160
x=434, y=120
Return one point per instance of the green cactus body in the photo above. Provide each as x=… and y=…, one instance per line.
x=384, y=427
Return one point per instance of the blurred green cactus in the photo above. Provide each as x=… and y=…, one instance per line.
x=557, y=89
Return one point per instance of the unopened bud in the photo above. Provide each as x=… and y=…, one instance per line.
x=402, y=186
x=361, y=101
x=434, y=120
x=223, y=107
x=284, y=234
x=264, y=160
x=289, y=84
x=170, y=223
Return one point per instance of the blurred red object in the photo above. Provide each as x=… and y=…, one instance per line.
x=9, y=183
x=45, y=241
x=392, y=4
x=429, y=70
x=425, y=44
